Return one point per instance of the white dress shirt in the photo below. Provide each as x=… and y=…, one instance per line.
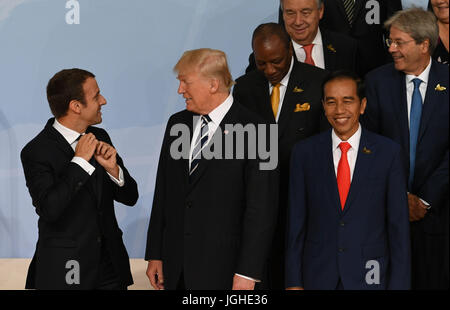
x=407, y=4
x=352, y=153
x=422, y=88
x=283, y=86
x=216, y=117
x=71, y=136
x=316, y=53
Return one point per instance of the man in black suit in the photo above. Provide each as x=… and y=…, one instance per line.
x=362, y=20
x=73, y=174
x=212, y=219
x=288, y=93
x=313, y=45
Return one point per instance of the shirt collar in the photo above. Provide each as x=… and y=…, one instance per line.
x=423, y=76
x=353, y=141
x=220, y=111
x=317, y=40
x=68, y=134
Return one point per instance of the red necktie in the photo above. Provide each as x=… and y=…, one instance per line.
x=308, y=50
x=343, y=173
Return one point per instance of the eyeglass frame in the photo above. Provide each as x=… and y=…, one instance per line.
x=396, y=43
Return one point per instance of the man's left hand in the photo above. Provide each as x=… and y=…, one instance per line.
x=105, y=155
x=417, y=209
x=240, y=283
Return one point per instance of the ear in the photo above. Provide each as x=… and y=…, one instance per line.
x=426, y=46
x=321, y=10
x=214, y=85
x=363, y=105
x=75, y=106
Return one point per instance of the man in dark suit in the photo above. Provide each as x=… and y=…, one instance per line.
x=408, y=102
x=362, y=20
x=288, y=93
x=348, y=211
x=73, y=174
x=212, y=218
x=313, y=45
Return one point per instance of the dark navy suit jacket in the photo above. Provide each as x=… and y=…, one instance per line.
x=324, y=243
x=386, y=114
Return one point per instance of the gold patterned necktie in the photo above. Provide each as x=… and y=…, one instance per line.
x=275, y=99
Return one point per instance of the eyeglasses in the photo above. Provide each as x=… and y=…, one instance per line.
x=396, y=44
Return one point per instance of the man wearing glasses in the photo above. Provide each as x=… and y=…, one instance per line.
x=407, y=101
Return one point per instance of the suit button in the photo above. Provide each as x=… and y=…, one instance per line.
x=189, y=205
x=99, y=239
x=341, y=250
x=301, y=129
x=342, y=224
x=187, y=234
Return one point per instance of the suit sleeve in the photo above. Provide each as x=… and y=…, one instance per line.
x=127, y=194
x=50, y=194
x=398, y=227
x=434, y=189
x=157, y=221
x=296, y=222
x=259, y=218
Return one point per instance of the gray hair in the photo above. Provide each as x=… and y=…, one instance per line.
x=419, y=24
x=319, y=4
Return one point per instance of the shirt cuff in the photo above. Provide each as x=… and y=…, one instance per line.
x=251, y=279
x=120, y=182
x=425, y=203
x=84, y=164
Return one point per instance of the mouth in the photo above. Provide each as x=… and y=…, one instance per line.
x=341, y=120
x=396, y=57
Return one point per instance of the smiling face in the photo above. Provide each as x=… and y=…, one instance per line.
x=196, y=90
x=90, y=111
x=301, y=19
x=343, y=106
x=409, y=56
x=440, y=9
x=273, y=58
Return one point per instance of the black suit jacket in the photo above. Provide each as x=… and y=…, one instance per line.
x=372, y=52
x=76, y=212
x=304, y=89
x=218, y=223
x=339, y=51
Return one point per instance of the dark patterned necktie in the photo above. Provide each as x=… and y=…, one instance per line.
x=200, y=143
x=349, y=6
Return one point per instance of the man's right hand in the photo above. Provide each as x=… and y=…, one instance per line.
x=155, y=274
x=86, y=146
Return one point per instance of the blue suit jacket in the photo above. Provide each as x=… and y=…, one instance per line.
x=387, y=115
x=325, y=243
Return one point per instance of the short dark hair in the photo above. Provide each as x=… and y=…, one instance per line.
x=266, y=31
x=65, y=86
x=345, y=75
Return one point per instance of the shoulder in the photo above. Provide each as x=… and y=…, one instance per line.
x=383, y=143
x=310, y=144
x=338, y=39
x=249, y=79
x=441, y=70
x=314, y=72
x=40, y=142
x=246, y=116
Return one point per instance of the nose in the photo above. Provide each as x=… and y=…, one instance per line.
x=180, y=89
x=298, y=18
x=340, y=108
x=269, y=70
x=392, y=48
x=103, y=101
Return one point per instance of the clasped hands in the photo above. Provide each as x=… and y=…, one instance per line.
x=103, y=153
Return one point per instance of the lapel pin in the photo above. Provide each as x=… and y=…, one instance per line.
x=366, y=151
x=331, y=48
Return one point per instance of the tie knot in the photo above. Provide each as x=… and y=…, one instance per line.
x=308, y=48
x=206, y=119
x=344, y=146
x=417, y=82
x=276, y=86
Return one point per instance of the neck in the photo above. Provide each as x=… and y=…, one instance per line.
x=68, y=122
x=218, y=99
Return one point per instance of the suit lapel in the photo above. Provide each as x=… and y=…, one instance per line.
x=264, y=105
x=328, y=55
x=360, y=173
x=329, y=173
x=61, y=143
x=430, y=103
x=291, y=98
x=400, y=106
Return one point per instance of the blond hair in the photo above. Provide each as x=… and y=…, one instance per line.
x=210, y=63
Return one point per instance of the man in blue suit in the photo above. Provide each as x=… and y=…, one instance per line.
x=348, y=213
x=408, y=102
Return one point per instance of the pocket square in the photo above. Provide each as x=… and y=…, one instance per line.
x=302, y=107
x=298, y=90
x=440, y=88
